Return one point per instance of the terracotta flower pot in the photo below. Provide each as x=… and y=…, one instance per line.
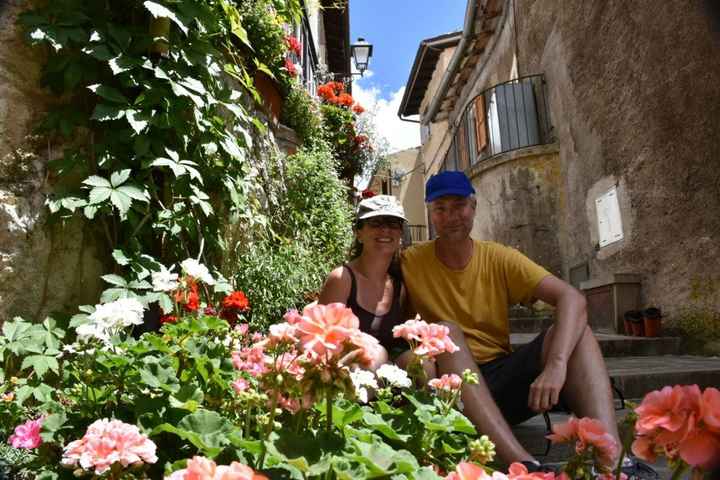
x=630, y=317
x=652, y=320
x=270, y=93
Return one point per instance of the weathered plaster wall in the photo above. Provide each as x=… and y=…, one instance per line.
x=518, y=197
x=635, y=100
x=43, y=267
x=410, y=190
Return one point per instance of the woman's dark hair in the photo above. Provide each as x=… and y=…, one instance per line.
x=356, y=249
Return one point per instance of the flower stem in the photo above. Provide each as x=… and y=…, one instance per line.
x=679, y=470
x=268, y=430
x=328, y=411
x=618, y=469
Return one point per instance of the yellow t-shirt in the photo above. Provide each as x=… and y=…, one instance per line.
x=476, y=297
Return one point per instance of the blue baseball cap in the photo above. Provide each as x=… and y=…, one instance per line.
x=450, y=182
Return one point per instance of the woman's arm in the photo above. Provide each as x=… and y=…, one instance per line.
x=336, y=287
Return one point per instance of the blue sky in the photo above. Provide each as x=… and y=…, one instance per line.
x=395, y=28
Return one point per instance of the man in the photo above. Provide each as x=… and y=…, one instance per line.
x=468, y=285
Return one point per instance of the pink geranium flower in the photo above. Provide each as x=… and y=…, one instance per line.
x=324, y=328
x=201, y=468
x=587, y=433
x=469, y=471
x=447, y=382
x=251, y=360
x=107, y=442
x=679, y=422
x=426, y=339
x=27, y=435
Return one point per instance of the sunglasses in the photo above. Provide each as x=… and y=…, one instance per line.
x=379, y=222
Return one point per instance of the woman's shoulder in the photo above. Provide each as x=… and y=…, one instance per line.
x=337, y=286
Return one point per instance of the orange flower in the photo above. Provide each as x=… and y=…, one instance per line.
x=357, y=108
x=190, y=298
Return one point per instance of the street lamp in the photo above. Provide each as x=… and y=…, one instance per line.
x=361, y=53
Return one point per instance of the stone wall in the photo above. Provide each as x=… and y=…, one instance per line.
x=518, y=197
x=43, y=267
x=635, y=101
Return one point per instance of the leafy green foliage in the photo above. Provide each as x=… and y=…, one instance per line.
x=311, y=235
x=176, y=386
x=302, y=114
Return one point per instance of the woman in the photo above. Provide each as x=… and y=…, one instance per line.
x=370, y=284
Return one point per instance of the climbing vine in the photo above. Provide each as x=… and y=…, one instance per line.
x=154, y=110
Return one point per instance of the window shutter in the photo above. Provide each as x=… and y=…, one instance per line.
x=481, y=134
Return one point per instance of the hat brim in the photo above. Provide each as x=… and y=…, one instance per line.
x=381, y=214
x=460, y=192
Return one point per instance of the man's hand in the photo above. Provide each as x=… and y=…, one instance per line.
x=545, y=390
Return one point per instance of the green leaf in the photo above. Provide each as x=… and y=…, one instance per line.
x=99, y=195
x=159, y=11
x=121, y=201
x=95, y=181
x=134, y=193
x=119, y=177
x=120, y=257
x=108, y=93
x=104, y=112
x=136, y=124
x=113, y=279
x=40, y=364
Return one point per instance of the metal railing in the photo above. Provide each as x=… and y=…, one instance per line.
x=504, y=117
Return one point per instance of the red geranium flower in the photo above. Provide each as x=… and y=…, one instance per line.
x=168, y=319
x=367, y=193
x=345, y=99
x=294, y=45
x=189, y=299
x=358, y=109
x=236, y=301
x=290, y=67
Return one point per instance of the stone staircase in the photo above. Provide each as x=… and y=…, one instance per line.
x=637, y=365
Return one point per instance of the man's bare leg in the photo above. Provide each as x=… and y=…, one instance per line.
x=480, y=407
x=587, y=389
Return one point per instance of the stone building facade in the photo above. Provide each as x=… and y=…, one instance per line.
x=623, y=176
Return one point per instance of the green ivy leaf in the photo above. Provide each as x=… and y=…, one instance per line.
x=159, y=11
x=119, y=177
x=108, y=93
x=113, y=279
x=104, y=112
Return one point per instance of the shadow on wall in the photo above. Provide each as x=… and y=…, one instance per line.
x=712, y=7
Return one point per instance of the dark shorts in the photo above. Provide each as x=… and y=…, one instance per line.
x=509, y=378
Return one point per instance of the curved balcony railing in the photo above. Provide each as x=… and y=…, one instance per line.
x=505, y=117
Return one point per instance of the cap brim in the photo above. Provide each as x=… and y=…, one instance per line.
x=460, y=192
x=381, y=214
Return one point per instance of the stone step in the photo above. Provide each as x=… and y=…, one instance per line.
x=638, y=375
x=613, y=345
x=530, y=324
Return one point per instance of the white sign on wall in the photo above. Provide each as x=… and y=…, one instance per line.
x=608, y=217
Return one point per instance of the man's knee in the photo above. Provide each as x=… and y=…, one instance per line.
x=454, y=329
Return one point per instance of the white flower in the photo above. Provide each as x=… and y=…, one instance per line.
x=197, y=270
x=362, y=379
x=123, y=312
x=109, y=318
x=164, y=280
x=394, y=375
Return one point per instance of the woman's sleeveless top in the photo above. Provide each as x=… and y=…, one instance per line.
x=380, y=326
